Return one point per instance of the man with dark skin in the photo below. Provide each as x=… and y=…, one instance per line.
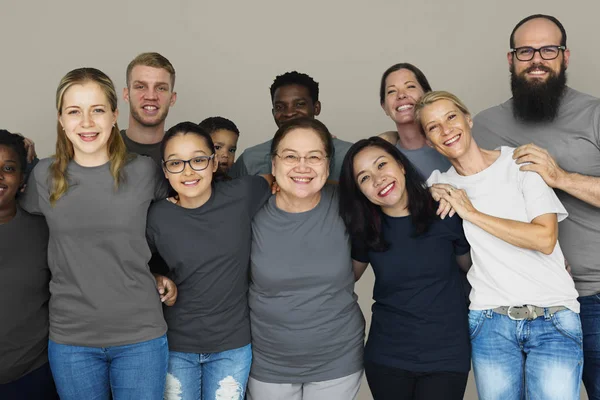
x=293, y=95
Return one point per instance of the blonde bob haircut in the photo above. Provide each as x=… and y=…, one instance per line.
x=117, y=152
x=432, y=97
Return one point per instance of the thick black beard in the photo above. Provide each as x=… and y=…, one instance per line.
x=537, y=101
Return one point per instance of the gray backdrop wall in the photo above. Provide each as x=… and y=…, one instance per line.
x=226, y=54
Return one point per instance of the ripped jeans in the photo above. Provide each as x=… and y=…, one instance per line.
x=208, y=376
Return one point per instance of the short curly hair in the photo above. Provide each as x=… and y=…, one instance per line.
x=17, y=143
x=213, y=124
x=296, y=78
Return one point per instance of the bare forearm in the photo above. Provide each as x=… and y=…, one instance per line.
x=464, y=261
x=585, y=188
x=532, y=236
x=358, y=268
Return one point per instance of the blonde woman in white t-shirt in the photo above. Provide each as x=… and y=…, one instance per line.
x=524, y=324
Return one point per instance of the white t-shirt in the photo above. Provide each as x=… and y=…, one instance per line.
x=503, y=274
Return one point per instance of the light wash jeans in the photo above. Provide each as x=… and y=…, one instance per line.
x=540, y=359
x=209, y=376
x=130, y=372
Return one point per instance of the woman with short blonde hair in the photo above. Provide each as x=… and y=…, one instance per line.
x=524, y=324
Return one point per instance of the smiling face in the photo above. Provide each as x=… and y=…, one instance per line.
x=293, y=101
x=402, y=92
x=382, y=180
x=225, y=147
x=87, y=119
x=447, y=128
x=537, y=33
x=304, y=179
x=11, y=177
x=193, y=187
x=150, y=95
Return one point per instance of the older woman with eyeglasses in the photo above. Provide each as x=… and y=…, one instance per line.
x=203, y=234
x=307, y=327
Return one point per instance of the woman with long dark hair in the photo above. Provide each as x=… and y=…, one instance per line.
x=418, y=345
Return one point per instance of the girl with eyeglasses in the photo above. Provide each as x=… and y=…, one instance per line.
x=204, y=234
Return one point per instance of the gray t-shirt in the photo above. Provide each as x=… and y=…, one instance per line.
x=426, y=160
x=208, y=252
x=573, y=139
x=256, y=160
x=24, y=294
x=150, y=150
x=306, y=322
x=103, y=293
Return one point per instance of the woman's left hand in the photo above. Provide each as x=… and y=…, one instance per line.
x=457, y=198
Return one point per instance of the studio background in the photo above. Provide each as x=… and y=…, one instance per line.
x=227, y=53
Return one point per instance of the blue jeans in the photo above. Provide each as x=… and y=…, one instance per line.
x=133, y=371
x=590, y=322
x=222, y=375
x=539, y=359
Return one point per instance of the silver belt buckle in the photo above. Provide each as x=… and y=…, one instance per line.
x=518, y=313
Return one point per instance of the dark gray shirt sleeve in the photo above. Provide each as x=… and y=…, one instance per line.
x=29, y=200
x=239, y=168
x=24, y=295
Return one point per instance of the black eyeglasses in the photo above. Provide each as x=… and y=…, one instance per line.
x=527, y=53
x=197, y=164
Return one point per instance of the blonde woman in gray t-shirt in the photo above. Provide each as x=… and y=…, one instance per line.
x=307, y=328
x=107, y=332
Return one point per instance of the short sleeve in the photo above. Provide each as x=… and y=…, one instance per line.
x=539, y=198
x=239, y=168
x=162, y=186
x=157, y=264
x=359, y=251
x=30, y=199
x=596, y=125
x=257, y=191
x=434, y=178
x=150, y=233
x=461, y=245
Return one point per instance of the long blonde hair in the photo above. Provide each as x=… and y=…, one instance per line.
x=117, y=152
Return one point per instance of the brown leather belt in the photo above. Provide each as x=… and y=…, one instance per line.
x=528, y=312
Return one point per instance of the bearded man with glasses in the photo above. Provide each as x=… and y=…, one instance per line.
x=558, y=129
